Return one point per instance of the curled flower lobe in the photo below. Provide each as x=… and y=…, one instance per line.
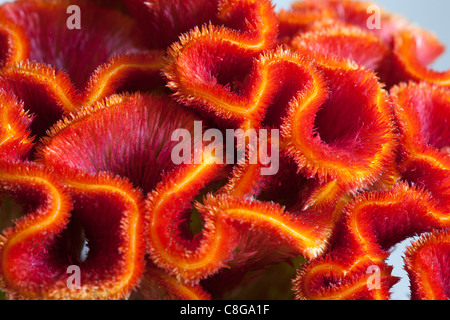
x=294, y=102
x=50, y=84
x=357, y=13
x=124, y=73
x=47, y=206
x=42, y=22
x=111, y=214
x=412, y=55
x=164, y=21
x=13, y=44
x=200, y=55
x=15, y=140
x=422, y=111
x=39, y=248
x=372, y=224
x=46, y=94
x=331, y=281
x=50, y=95
x=97, y=138
x=355, y=149
x=157, y=284
x=428, y=267
x=296, y=229
x=339, y=11
x=331, y=39
x=188, y=258
x=258, y=29
x=413, y=49
x=233, y=227
x=403, y=50
x=301, y=16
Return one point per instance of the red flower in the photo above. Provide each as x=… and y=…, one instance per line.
x=43, y=77
x=397, y=49
x=372, y=224
x=87, y=177
x=427, y=265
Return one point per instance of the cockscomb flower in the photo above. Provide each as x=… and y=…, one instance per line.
x=373, y=222
x=427, y=265
x=46, y=78
x=206, y=149
x=397, y=49
x=422, y=112
x=49, y=236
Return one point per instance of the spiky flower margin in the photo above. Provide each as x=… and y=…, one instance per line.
x=86, y=118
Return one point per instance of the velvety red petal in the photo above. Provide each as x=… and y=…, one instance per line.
x=342, y=42
x=427, y=263
x=410, y=49
x=128, y=135
x=38, y=250
x=374, y=223
x=413, y=52
x=49, y=95
x=15, y=140
x=357, y=147
x=234, y=230
x=329, y=280
x=422, y=112
x=295, y=229
x=14, y=44
x=110, y=212
x=190, y=259
x=301, y=16
x=159, y=285
x=51, y=42
x=162, y=22
x=356, y=13
x=46, y=204
x=46, y=95
x=207, y=68
x=125, y=73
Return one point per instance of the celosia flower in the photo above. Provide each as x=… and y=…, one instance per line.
x=44, y=75
x=428, y=268
x=87, y=176
x=398, y=49
x=373, y=223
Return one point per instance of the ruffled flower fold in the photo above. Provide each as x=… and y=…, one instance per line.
x=115, y=182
